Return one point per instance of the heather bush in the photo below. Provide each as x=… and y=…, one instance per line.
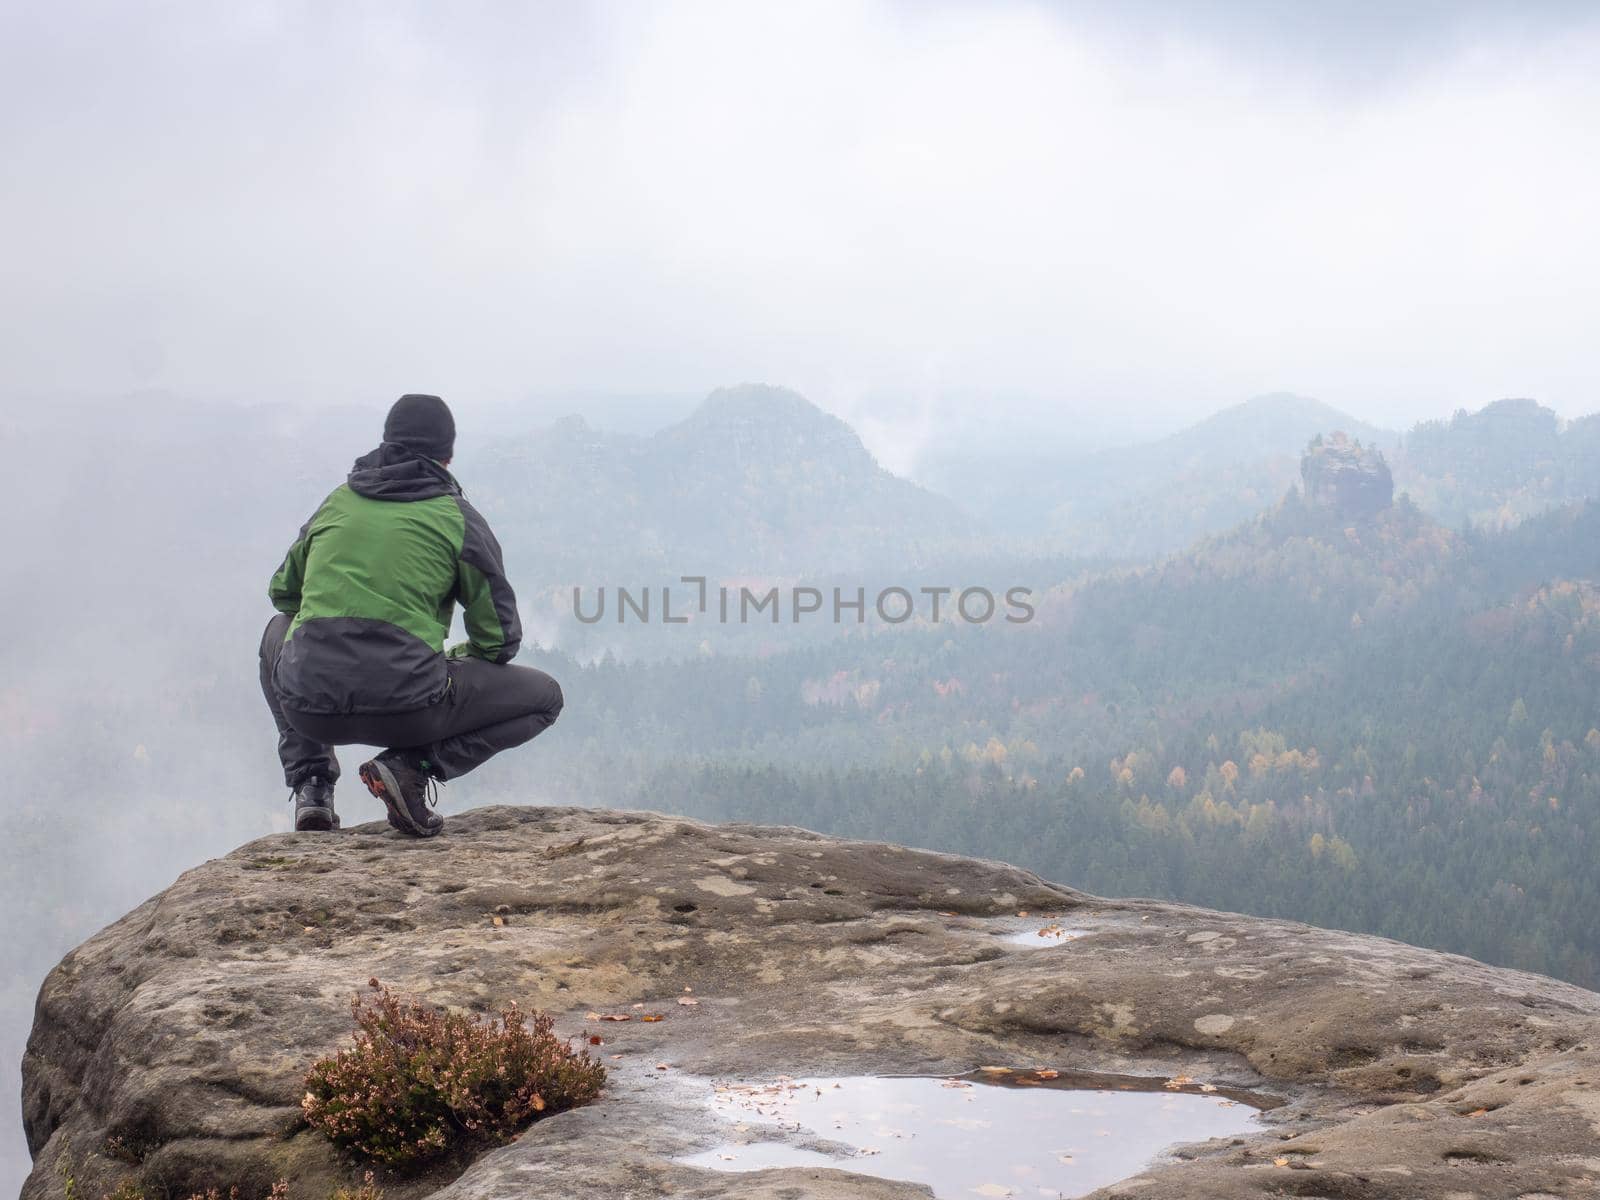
x=280, y=1191
x=369, y=1190
x=419, y=1084
x=129, y=1188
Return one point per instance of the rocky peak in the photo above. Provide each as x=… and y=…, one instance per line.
x=759, y=423
x=1349, y=480
x=169, y=1051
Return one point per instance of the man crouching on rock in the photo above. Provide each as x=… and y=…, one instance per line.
x=365, y=598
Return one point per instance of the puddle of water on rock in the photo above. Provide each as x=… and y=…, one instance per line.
x=995, y=1134
x=1045, y=935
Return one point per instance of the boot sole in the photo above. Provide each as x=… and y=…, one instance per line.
x=382, y=784
x=316, y=823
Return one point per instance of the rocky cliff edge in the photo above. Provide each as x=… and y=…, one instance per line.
x=170, y=1049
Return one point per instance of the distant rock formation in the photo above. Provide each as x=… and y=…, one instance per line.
x=1347, y=479
x=168, y=1052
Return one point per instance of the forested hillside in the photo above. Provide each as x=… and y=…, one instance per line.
x=756, y=479
x=1418, y=696
x=1388, y=727
x=1497, y=466
x=1494, y=467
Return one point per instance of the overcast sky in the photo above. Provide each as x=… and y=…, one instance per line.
x=1131, y=212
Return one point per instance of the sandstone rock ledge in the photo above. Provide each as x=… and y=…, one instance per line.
x=181, y=1033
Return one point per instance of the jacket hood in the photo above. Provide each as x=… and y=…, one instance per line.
x=392, y=472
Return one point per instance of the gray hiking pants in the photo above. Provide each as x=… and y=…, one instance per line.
x=486, y=708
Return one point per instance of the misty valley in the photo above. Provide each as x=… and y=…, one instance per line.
x=1380, y=718
x=760, y=601
x=1361, y=693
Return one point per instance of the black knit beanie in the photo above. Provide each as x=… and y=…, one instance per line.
x=422, y=423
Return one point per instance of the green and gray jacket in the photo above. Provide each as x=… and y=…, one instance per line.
x=372, y=582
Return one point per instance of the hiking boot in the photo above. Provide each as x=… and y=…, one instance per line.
x=407, y=791
x=313, y=807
